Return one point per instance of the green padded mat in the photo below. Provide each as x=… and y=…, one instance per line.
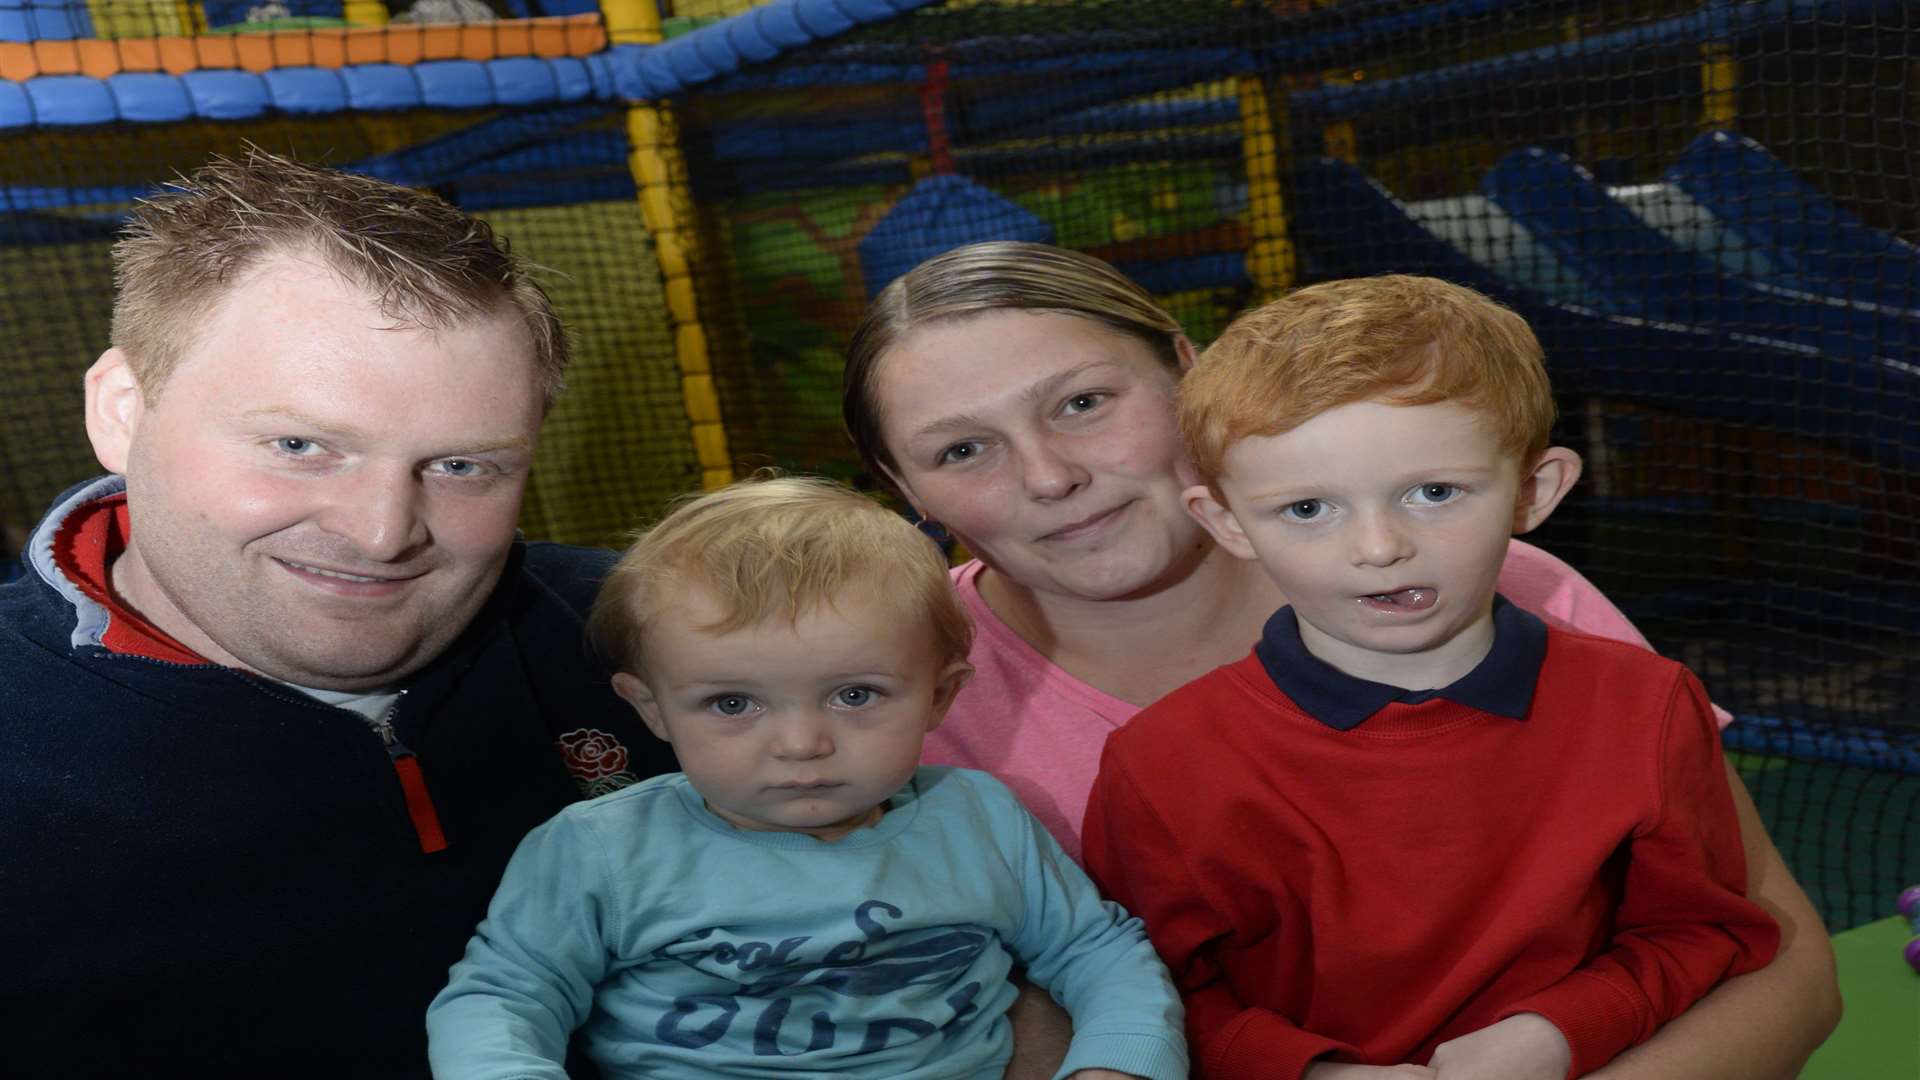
x=1879, y=1038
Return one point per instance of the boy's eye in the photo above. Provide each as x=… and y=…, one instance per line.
x=731, y=704
x=1304, y=510
x=854, y=697
x=294, y=445
x=1434, y=493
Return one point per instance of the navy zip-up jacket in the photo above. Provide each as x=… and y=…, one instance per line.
x=206, y=873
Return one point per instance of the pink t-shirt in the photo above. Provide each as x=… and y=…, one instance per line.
x=1040, y=730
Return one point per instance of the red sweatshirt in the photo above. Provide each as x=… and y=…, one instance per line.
x=1369, y=894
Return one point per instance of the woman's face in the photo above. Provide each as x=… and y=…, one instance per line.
x=1045, y=443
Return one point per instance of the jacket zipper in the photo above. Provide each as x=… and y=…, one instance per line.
x=413, y=783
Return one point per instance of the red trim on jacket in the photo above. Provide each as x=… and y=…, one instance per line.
x=84, y=547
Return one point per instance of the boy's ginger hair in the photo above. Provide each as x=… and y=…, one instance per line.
x=1399, y=338
x=775, y=546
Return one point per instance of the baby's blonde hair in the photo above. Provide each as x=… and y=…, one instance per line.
x=776, y=547
x=1399, y=338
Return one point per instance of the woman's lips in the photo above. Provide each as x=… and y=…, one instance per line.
x=1086, y=526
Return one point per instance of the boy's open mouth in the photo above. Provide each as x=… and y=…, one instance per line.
x=1417, y=598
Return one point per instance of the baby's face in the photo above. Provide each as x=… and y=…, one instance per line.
x=806, y=726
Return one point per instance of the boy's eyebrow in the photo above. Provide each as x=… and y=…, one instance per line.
x=1315, y=489
x=1045, y=388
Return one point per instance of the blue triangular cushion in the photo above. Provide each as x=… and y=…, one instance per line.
x=939, y=214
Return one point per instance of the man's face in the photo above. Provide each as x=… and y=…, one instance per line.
x=318, y=494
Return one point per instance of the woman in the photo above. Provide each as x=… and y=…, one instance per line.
x=1021, y=395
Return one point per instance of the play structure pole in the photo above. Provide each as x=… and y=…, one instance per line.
x=365, y=12
x=1719, y=75
x=660, y=173
x=1270, y=258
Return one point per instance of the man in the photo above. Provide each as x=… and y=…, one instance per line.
x=280, y=696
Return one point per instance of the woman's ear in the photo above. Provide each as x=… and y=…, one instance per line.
x=1543, y=486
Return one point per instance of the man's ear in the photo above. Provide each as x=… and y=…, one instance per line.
x=952, y=678
x=640, y=696
x=1217, y=518
x=114, y=407
x=1543, y=486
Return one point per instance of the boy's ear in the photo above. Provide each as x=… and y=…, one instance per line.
x=1183, y=348
x=952, y=678
x=640, y=696
x=114, y=405
x=1217, y=518
x=1543, y=486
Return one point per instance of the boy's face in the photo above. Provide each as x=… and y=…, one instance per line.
x=1386, y=526
x=793, y=727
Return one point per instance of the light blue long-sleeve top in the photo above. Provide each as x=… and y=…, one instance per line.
x=685, y=947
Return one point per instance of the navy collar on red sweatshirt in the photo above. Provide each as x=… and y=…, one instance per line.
x=1501, y=684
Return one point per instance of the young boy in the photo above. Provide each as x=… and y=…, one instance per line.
x=802, y=899
x=1416, y=832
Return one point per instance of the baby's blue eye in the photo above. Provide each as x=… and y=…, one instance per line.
x=1435, y=493
x=1304, y=510
x=855, y=696
x=731, y=704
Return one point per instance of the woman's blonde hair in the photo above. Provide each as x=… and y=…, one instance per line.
x=999, y=275
x=776, y=546
x=1403, y=339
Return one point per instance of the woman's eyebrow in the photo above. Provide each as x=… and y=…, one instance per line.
x=1038, y=391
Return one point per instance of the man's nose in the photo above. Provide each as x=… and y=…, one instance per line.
x=377, y=511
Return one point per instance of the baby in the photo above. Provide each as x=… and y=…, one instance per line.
x=804, y=898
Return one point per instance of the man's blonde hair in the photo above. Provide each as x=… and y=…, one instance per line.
x=776, y=547
x=1397, y=338
x=425, y=262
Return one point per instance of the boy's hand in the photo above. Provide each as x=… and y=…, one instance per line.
x=1333, y=1070
x=1523, y=1047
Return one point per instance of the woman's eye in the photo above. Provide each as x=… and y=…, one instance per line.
x=958, y=452
x=854, y=697
x=1080, y=403
x=731, y=704
x=1304, y=510
x=1434, y=493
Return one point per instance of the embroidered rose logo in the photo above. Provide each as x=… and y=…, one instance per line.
x=596, y=759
